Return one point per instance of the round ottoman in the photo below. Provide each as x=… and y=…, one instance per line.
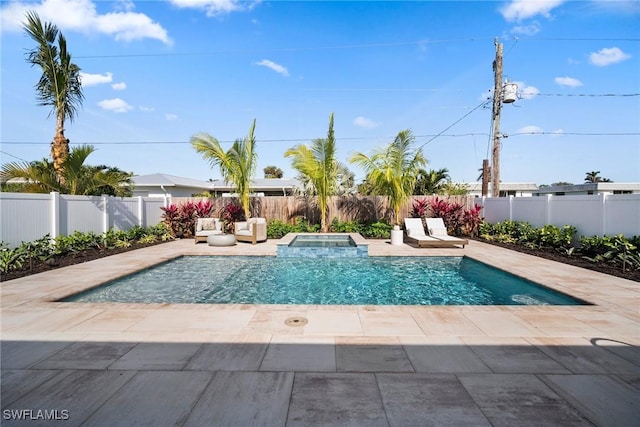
x=221, y=240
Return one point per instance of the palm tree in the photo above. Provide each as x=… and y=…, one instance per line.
x=272, y=172
x=237, y=164
x=77, y=178
x=318, y=164
x=59, y=86
x=592, y=177
x=393, y=171
x=431, y=182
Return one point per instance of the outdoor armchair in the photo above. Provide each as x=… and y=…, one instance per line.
x=252, y=230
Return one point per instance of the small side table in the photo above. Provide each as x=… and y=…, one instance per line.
x=221, y=240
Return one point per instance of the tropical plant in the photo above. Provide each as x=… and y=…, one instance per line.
x=594, y=176
x=180, y=220
x=272, y=172
x=420, y=208
x=393, y=171
x=319, y=165
x=230, y=214
x=59, y=86
x=431, y=182
x=77, y=178
x=237, y=164
x=11, y=259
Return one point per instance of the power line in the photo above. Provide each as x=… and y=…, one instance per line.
x=289, y=49
x=337, y=47
x=368, y=138
x=455, y=123
x=575, y=133
x=586, y=94
x=11, y=155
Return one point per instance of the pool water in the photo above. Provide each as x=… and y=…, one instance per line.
x=322, y=241
x=334, y=281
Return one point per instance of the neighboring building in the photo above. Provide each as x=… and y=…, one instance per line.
x=590, y=188
x=163, y=185
x=517, y=189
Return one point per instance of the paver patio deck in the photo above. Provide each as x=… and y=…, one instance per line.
x=109, y=364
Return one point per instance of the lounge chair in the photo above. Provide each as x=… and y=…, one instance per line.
x=252, y=230
x=206, y=227
x=414, y=234
x=438, y=230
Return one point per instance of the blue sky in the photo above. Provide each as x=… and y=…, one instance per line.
x=157, y=73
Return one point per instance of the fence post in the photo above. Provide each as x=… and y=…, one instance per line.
x=547, y=219
x=105, y=213
x=603, y=206
x=510, y=208
x=140, y=211
x=54, y=226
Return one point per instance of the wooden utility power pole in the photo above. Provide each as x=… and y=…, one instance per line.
x=485, y=177
x=497, y=104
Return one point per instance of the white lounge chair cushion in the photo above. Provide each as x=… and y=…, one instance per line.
x=208, y=224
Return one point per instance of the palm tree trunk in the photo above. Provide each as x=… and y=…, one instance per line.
x=59, y=148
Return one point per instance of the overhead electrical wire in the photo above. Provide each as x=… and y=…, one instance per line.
x=430, y=136
x=337, y=47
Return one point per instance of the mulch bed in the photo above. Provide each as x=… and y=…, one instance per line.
x=65, y=261
x=575, y=260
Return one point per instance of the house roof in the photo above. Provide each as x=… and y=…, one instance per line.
x=592, y=186
x=161, y=179
x=505, y=186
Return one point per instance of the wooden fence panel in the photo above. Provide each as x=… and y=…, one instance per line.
x=346, y=208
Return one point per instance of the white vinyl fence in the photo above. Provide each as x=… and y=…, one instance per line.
x=601, y=214
x=26, y=217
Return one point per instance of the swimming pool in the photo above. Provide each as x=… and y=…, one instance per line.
x=330, y=281
x=328, y=245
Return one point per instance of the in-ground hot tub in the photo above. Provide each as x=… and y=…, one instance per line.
x=326, y=245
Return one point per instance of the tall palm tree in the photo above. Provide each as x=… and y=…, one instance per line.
x=237, y=164
x=318, y=164
x=78, y=178
x=59, y=86
x=431, y=182
x=393, y=171
x=592, y=176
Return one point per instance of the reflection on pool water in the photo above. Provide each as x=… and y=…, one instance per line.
x=333, y=281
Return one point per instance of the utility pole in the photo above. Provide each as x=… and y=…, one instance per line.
x=497, y=104
x=485, y=177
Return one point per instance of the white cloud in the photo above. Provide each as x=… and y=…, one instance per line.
x=557, y=133
x=364, y=122
x=526, y=92
x=95, y=79
x=146, y=109
x=608, y=56
x=567, y=81
x=519, y=10
x=116, y=105
x=527, y=30
x=81, y=16
x=275, y=67
x=531, y=129
x=217, y=7
x=170, y=117
x=119, y=86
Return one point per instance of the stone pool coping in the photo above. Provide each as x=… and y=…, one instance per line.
x=581, y=361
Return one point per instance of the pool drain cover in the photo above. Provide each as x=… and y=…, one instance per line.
x=296, y=321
